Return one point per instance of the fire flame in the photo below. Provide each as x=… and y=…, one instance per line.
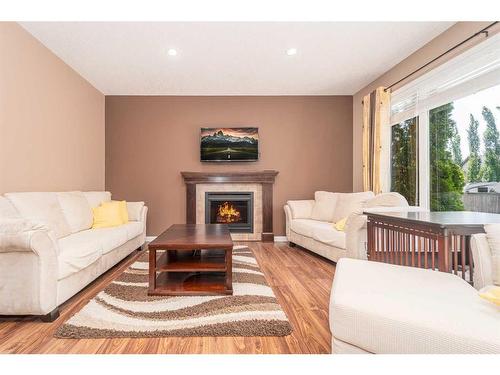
x=227, y=213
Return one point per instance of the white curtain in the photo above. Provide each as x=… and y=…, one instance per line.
x=474, y=70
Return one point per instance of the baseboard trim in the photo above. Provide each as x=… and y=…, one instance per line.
x=276, y=238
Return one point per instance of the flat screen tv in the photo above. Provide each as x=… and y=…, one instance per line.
x=229, y=144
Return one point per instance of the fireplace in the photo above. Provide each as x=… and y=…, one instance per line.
x=260, y=183
x=234, y=209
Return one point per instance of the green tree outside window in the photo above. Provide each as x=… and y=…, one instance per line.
x=404, y=160
x=447, y=179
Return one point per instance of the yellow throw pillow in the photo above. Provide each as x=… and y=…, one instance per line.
x=340, y=225
x=123, y=211
x=491, y=293
x=108, y=214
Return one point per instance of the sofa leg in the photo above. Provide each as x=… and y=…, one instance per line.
x=51, y=316
x=291, y=244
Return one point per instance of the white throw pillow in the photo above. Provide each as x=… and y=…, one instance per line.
x=76, y=210
x=95, y=198
x=348, y=203
x=324, y=206
x=301, y=209
x=44, y=207
x=493, y=237
x=134, y=210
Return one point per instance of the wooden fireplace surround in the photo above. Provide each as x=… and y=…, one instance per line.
x=265, y=178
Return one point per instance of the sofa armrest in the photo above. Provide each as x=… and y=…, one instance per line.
x=482, y=260
x=21, y=235
x=144, y=213
x=28, y=269
x=301, y=209
x=355, y=236
x=288, y=218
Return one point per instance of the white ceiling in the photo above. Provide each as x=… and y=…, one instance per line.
x=334, y=58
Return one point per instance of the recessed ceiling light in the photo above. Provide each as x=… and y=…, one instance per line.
x=172, y=52
x=291, y=51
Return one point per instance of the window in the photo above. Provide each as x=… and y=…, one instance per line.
x=444, y=142
x=464, y=146
x=446, y=176
x=404, y=178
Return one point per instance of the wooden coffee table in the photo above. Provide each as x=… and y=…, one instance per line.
x=195, y=259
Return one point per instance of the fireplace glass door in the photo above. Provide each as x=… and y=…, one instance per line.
x=233, y=209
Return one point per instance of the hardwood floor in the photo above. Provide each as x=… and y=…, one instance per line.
x=301, y=281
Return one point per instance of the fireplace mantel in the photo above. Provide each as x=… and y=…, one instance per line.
x=265, y=178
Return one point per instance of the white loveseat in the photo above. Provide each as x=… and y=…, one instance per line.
x=48, y=251
x=309, y=223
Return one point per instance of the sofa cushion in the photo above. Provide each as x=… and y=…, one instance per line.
x=384, y=308
x=301, y=209
x=348, y=203
x=76, y=210
x=43, y=207
x=78, y=251
x=324, y=206
x=7, y=210
x=133, y=228
x=95, y=198
x=329, y=236
x=306, y=227
x=493, y=237
x=134, y=210
x=111, y=238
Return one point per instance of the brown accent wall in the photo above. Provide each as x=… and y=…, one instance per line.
x=51, y=120
x=434, y=48
x=150, y=140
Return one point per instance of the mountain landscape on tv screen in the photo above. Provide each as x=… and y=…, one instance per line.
x=229, y=144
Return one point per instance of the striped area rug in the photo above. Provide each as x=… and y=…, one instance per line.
x=123, y=308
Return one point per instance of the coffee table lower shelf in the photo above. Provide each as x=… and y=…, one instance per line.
x=190, y=273
x=190, y=283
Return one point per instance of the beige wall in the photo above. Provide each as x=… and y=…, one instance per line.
x=150, y=140
x=434, y=48
x=51, y=120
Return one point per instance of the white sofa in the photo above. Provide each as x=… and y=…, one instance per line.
x=48, y=251
x=384, y=308
x=309, y=223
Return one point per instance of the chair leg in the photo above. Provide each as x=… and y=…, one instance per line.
x=51, y=316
